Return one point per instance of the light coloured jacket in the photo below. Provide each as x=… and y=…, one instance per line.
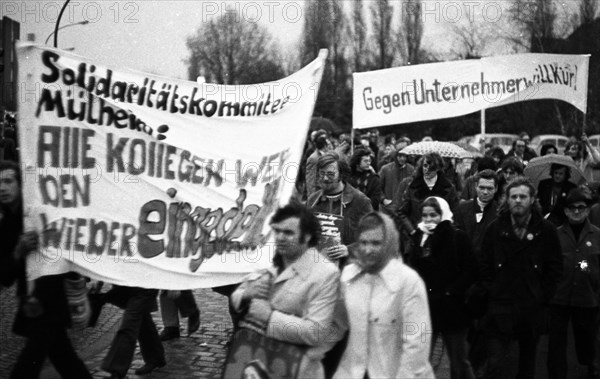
x=388, y=317
x=303, y=298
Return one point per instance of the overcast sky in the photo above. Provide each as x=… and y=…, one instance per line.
x=150, y=35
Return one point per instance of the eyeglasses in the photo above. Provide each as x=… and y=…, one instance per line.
x=329, y=175
x=579, y=208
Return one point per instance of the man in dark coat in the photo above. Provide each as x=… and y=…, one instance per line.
x=577, y=298
x=364, y=178
x=552, y=193
x=521, y=151
x=43, y=316
x=473, y=216
x=391, y=175
x=520, y=266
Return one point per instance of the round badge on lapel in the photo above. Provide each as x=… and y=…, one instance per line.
x=588, y=244
x=529, y=236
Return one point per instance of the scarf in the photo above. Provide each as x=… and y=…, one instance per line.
x=429, y=228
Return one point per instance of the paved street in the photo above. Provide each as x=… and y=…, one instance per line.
x=199, y=356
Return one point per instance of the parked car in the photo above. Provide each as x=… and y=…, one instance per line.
x=556, y=139
x=503, y=140
x=595, y=140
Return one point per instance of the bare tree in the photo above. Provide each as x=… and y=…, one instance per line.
x=385, y=48
x=316, y=33
x=588, y=9
x=535, y=20
x=231, y=50
x=411, y=30
x=357, y=30
x=471, y=39
x=324, y=27
x=532, y=23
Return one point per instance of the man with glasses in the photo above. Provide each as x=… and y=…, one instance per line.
x=576, y=298
x=521, y=151
x=338, y=198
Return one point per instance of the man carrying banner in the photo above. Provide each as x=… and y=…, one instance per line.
x=43, y=315
x=295, y=299
x=339, y=198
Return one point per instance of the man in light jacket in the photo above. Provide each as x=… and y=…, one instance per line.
x=385, y=308
x=295, y=299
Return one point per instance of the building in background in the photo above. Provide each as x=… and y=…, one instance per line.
x=9, y=32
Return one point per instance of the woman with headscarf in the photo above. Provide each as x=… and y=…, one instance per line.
x=443, y=257
x=428, y=180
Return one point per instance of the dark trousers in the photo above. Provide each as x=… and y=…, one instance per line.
x=584, y=333
x=137, y=325
x=478, y=348
x=184, y=305
x=501, y=332
x=227, y=291
x=456, y=343
x=53, y=343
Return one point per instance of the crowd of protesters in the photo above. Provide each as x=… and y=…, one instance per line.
x=471, y=252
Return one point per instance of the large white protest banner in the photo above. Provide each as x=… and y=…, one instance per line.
x=148, y=181
x=449, y=89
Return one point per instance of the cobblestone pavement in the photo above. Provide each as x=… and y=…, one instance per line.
x=199, y=356
x=87, y=342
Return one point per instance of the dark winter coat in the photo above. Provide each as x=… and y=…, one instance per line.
x=520, y=275
x=391, y=175
x=447, y=266
x=368, y=183
x=556, y=210
x=579, y=285
x=409, y=213
x=48, y=290
x=465, y=219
